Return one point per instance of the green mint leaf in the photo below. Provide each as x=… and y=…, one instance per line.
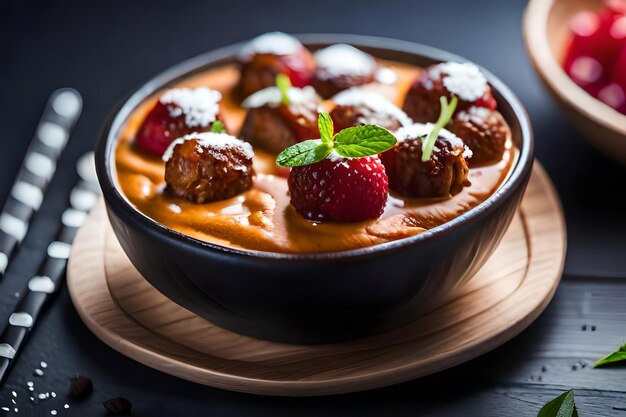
x=561, y=406
x=284, y=84
x=617, y=356
x=218, y=127
x=304, y=153
x=447, y=111
x=364, y=140
x=326, y=127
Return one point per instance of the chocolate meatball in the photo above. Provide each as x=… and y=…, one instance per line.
x=444, y=174
x=272, y=125
x=341, y=66
x=206, y=167
x=359, y=106
x=463, y=80
x=268, y=55
x=484, y=131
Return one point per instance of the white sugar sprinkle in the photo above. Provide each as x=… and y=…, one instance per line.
x=43, y=364
x=42, y=396
x=5, y=408
x=374, y=101
x=38, y=372
x=30, y=383
x=465, y=80
x=66, y=406
x=342, y=59
x=334, y=156
x=53, y=412
x=275, y=43
x=271, y=96
x=211, y=140
x=14, y=394
x=199, y=106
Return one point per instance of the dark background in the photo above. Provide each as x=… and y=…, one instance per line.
x=105, y=49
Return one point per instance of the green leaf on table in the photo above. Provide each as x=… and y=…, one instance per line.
x=617, y=356
x=284, y=84
x=304, y=153
x=364, y=140
x=561, y=406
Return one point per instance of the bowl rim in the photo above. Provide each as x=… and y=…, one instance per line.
x=517, y=177
x=535, y=34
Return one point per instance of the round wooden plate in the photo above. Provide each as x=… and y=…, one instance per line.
x=511, y=290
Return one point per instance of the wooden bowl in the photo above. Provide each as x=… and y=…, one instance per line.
x=315, y=297
x=546, y=33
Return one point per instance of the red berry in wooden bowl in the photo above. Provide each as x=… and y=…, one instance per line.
x=268, y=55
x=339, y=177
x=178, y=112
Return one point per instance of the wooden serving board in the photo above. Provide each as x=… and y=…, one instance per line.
x=511, y=290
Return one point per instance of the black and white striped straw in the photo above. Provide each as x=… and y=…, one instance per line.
x=58, y=119
x=51, y=272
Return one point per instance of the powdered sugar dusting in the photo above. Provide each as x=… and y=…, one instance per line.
x=362, y=97
x=275, y=43
x=464, y=80
x=271, y=96
x=343, y=59
x=334, y=156
x=423, y=129
x=211, y=140
x=200, y=106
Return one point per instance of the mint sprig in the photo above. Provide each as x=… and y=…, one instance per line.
x=618, y=356
x=284, y=84
x=353, y=142
x=447, y=111
x=561, y=406
x=325, y=126
x=218, y=127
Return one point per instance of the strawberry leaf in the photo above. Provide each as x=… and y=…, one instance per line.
x=617, y=356
x=284, y=84
x=364, y=140
x=561, y=406
x=325, y=125
x=218, y=127
x=304, y=153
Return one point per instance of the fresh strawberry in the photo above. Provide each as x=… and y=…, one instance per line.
x=613, y=95
x=178, y=112
x=619, y=69
x=598, y=36
x=339, y=189
x=299, y=67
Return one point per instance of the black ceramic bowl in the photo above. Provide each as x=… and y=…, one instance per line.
x=324, y=297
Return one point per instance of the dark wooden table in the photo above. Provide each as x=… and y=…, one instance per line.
x=105, y=49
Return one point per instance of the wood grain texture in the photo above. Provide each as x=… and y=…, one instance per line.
x=121, y=308
x=546, y=34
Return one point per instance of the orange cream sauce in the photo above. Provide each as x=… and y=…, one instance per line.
x=261, y=218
